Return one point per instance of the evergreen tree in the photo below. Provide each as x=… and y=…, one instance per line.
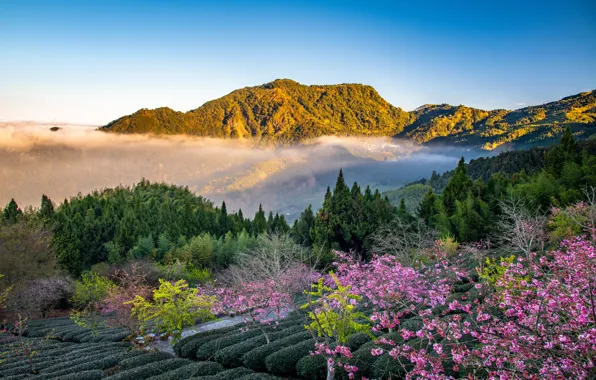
x=46, y=210
x=426, y=207
x=457, y=188
x=12, y=213
x=302, y=230
x=259, y=223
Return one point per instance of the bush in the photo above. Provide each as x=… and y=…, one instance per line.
x=149, y=369
x=85, y=375
x=91, y=288
x=38, y=297
x=284, y=361
x=357, y=340
x=312, y=367
x=255, y=358
x=231, y=356
x=229, y=374
x=187, y=346
x=190, y=370
x=84, y=359
x=209, y=349
x=385, y=367
x=143, y=359
x=99, y=363
x=258, y=376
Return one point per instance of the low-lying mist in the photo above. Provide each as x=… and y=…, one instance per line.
x=76, y=159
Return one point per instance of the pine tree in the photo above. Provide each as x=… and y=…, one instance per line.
x=12, y=213
x=259, y=223
x=457, y=188
x=46, y=211
x=302, y=230
x=426, y=207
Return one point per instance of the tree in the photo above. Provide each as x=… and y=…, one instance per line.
x=259, y=222
x=457, y=188
x=12, y=213
x=46, y=211
x=302, y=230
x=174, y=306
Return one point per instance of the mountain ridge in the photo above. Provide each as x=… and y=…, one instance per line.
x=287, y=112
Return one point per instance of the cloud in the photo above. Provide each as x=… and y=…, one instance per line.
x=78, y=159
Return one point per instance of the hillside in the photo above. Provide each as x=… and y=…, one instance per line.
x=281, y=111
x=285, y=111
x=507, y=163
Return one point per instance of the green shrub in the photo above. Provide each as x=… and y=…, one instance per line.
x=228, y=375
x=186, y=340
x=258, y=376
x=231, y=356
x=143, y=359
x=209, y=349
x=284, y=361
x=312, y=367
x=149, y=369
x=190, y=370
x=255, y=358
x=357, y=340
x=82, y=359
x=85, y=375
x=385, y=367
x=101, y=363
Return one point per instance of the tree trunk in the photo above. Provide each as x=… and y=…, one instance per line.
x=330, y=371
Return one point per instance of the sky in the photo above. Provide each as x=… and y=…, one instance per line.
x=90, y=62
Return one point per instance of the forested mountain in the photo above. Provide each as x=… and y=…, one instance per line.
x=285, y=111
x=508, y=164
x=281, y=111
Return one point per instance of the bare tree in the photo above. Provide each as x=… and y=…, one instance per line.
x=521, y=228
x=276, y=256
x=36, y=298
x=405, y=239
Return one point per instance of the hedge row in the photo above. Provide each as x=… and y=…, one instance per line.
x=209, y=349
x=186, y=346
x=255, y=358
x=231, y=356
x=209, y=333
x=99, y=362
x=284, y=361
x=228, y=375
x=150, y=369
x=141, y=360
x=85, y=375
x=190, y=370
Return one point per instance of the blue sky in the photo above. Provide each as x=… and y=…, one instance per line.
x=91, y=62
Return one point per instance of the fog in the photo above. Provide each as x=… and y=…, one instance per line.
x=79, y=159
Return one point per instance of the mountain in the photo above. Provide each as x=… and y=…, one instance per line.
x=282, y=111
x=529, y=126
x=285, y=112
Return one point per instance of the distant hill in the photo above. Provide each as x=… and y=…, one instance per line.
x=282, y=111
x=285, y=112
x=507, y=163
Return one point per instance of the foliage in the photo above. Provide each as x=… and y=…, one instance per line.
x=278, y=112
x=348, y=218
x=284, y=111
x=494, y=269
x=174, y=306
x=4, y=294
x=155, y=221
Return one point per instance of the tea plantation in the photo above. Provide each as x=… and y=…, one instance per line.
x=59, y=349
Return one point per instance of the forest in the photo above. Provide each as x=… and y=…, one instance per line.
x=286, y=112
x=486, y=271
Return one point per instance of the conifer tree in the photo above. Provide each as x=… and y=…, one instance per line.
x=259, y=223
x=46, y=210
x=457, y=188
x=12, y=213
